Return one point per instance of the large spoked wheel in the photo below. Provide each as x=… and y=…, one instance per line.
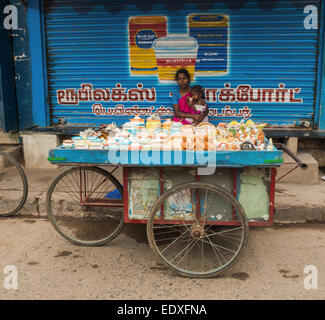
x=85, y=206
x=197, y=229
x=13, y=185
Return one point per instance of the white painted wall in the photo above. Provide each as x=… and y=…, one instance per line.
x=36, y=147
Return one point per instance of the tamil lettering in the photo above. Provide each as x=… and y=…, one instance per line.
x=86, y=93
x=245, y=93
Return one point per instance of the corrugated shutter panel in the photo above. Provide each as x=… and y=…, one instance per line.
x=88, y=43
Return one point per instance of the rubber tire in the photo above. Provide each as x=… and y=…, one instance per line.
x=25, y=184
x=52, y=219
x=177, y=188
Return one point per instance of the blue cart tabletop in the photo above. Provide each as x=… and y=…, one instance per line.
x=64, y=156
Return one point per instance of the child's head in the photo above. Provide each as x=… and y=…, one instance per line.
x=197, y=92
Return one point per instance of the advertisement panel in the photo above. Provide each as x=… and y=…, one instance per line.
x=111, y=62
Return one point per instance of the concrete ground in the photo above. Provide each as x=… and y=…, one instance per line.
x=299, y=202
x=49, y=267
x=271, y=266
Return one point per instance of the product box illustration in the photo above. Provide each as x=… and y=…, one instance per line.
x=143, y=31
x=174, y=52
x=202, y=51
x=211, y=33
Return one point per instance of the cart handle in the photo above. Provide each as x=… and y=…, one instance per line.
x=281, y=146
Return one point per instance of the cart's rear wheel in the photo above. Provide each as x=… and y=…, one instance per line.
x=202, y=232
x=77, y=206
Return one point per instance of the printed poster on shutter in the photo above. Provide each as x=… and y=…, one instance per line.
x=244, y=69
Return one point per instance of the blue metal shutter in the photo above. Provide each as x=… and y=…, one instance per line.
x=87, y=42
x=8, y=104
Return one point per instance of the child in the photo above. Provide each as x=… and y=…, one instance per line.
x=197, y=102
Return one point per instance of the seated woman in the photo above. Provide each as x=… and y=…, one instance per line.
x=183, y=112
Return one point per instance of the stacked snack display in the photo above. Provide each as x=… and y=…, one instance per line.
x=135, y=135
x=68, y=143
x=153, y=122
x=167, y=124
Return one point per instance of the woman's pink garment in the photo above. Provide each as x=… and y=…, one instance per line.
x=184, y=107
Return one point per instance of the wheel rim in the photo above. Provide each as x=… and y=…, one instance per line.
x=208, y=234
x=75, y=206
x=13, y=187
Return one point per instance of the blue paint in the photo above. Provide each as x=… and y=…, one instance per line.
x=22, y=62
x=168, y=158
x=115, y=194
x=8, y=107
x=40, y=114
x=266, y=48
x=46, y=91
x=320, y=98
x=2, y=124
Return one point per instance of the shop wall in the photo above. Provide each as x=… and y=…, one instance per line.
x=8, y=109
x=320, y=100
x=268, y=71
x=22, y=64
x=16, y=68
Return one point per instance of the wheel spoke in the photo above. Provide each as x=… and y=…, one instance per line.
x=220, y=232
x=205, y=206
x=14, y=186
x=80, y=224
x=192, y=248
x=72, y=193
x=228, y=236
x=170, y=231
x=230, y=241
x=78, y=182
x=186, y=226
x=220, y=247
x=182, y=250
x=202, y=258
x=165, y=239
x=167, y=226
x=174, y=241
x=214, y=250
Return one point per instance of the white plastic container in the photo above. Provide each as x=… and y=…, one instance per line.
x=174, y=52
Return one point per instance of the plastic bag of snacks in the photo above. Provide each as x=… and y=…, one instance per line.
x=139, y=134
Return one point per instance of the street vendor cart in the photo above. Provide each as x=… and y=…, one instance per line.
x=198, y=189
x=198, y=205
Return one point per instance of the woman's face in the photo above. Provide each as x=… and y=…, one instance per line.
x=182, y=80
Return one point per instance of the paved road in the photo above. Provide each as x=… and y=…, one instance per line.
x=49, y=267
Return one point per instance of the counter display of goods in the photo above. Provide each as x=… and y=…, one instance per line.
x=154, y=134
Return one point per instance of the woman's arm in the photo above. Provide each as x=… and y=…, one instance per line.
x=190, y=101
x=180, y=114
